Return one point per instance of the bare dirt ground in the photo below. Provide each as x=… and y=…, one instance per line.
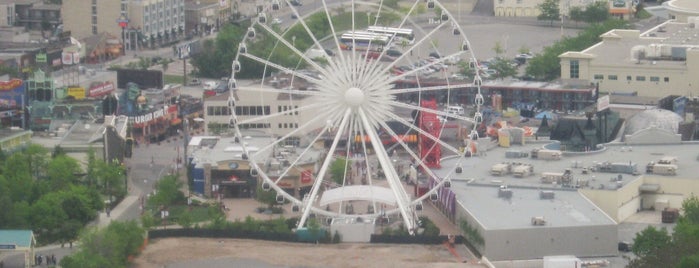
x=198, y=252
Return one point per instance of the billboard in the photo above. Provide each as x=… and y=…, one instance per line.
x=77, y=93
x=99, y=89
x=603, y=103
x=11, y=93
x=144, y=78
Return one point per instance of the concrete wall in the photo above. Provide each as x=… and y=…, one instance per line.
x=531, y=243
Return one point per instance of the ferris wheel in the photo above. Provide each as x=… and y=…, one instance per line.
x=355, y=96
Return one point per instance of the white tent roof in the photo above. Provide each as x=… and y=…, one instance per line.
x=358, y=192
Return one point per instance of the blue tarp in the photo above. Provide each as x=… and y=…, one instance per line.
x=548, y=114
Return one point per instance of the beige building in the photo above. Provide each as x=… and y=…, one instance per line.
x=529, y=8
x=150, y=22
x=254, y=104
x=657, y=63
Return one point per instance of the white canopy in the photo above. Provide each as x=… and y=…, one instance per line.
x=358, y=192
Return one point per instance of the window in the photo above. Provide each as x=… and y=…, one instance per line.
x=94, y=19
x=612, y=77
x=628, y=78
x=94, y=10
x=280, y=125
x=599, y=77
x=94, y=29
x=640, y=78
x=654, y=79
x=667, y=79
x=574, y=69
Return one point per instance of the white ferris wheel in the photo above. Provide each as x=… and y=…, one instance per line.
x=374, y=92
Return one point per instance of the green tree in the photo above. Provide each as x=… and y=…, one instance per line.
x=503, y=68
x=62, y=171
x=338, y=169
x=185, y=219
x=498, y=49
x=268, y=197
x=109, y=247
x=649, y=240
x=550, y=11
x=167, y=192
x=546, y=65
x=466, y=69
x=576, y=14
x=596, y=12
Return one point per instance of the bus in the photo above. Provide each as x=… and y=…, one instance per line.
x=399, y=34
x=361, y=40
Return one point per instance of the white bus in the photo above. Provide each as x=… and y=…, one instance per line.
x=398, y=33
x=361, y=40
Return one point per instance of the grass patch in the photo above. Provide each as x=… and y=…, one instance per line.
x=173, y=79
x=198, y=213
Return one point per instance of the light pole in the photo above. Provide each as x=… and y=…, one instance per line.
x=293, y=41
x=368, y=19
x=123, y=23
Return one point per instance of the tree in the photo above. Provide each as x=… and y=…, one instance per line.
x=596, y=12
x=649, y=240
x=466, y=69
x=546, y=65
x=550, y=11
x=167, y=192
x=498, y=49
x=576, y=14
x=338, y=170
x=62, y=171
x=503, y=68
x=109, y=247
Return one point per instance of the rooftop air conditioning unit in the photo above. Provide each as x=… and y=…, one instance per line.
x=538, y=221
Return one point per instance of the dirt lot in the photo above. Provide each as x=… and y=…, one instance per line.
x=188, y=252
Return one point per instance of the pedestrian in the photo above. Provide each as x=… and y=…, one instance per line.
x=53, y=259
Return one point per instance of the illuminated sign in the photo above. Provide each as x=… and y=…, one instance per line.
x=10, y=85
x=98, y=90
x=41, y=57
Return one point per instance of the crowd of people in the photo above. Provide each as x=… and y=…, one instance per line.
x=50, y=260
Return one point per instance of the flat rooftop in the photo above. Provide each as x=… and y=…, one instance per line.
x=477, y=189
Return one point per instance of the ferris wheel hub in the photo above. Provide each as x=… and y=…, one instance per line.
x=354, y=96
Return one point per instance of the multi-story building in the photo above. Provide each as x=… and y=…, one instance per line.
x=139, y=23
x=657, y=63
x=8, y=15
x=622, y=9
x=35, y=15
x=202, y=16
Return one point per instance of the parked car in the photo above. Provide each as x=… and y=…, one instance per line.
x=195, y=82
x=393, y=53
x=277, y=21
x=371, y=55
x=296, y=3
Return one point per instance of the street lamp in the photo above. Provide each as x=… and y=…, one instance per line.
x=123, y=23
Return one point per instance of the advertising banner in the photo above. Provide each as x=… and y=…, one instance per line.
x=11, y=93
x=100, y=89
x=77, y=92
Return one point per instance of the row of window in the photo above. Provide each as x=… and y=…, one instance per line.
x=285, y=108
x=254, y=126
x=288, y=125
x=239, y=110
x=159, y=5
x=639, y=78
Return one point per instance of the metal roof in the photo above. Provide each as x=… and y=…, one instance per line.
x=18, y=238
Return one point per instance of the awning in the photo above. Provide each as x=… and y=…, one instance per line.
x=176, y=121
x=649, y=188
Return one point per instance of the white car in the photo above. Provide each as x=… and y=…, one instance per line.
x=277, y=21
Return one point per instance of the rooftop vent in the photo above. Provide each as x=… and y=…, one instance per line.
x=538, y=221
x=546, y=194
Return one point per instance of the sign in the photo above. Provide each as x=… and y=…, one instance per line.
x=70, y=58
x=7, y=246
x=306, y=176
x=40, y=58
x=101, y=89
x=183, y=51
x=145, y=119
x=77, y=92
x=123, y=22
x=603, y=103
x=10, y=85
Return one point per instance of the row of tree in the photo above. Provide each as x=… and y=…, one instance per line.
x=51, y=194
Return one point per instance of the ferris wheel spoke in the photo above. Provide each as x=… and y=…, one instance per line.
x=280, y=67
x=324, y=167
x=423, y=67
x=427, y=89
x=428, y=110
x=294, y=49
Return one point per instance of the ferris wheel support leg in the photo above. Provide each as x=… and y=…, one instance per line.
x=319, y=179
x=392, y=177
